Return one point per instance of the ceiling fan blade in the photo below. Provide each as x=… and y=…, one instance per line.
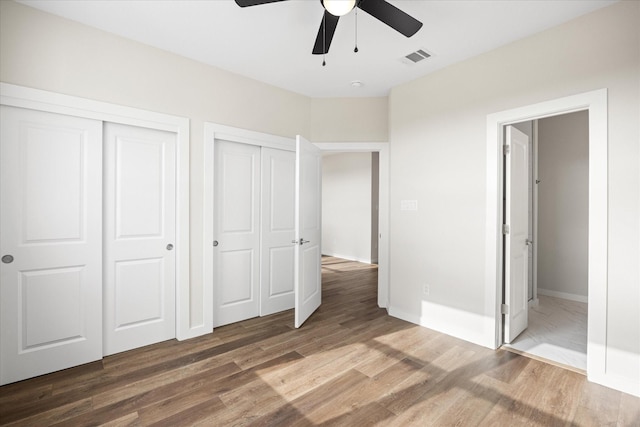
x=331, y=23
x=391, y=15
x=245, y=3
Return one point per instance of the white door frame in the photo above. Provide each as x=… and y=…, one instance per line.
x=534, y=153
x=383, y=202
x=596, y=103
x=35, y=99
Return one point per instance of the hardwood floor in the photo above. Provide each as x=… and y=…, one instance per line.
x=350, y=365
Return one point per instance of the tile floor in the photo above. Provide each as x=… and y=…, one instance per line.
x=557, y=332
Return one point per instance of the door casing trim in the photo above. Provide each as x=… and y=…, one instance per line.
x=595, y=102
x=382, y=148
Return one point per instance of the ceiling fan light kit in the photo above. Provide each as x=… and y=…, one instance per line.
x=338, y=7
x=382, y=10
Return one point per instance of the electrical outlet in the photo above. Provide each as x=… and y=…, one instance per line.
x=425, y=289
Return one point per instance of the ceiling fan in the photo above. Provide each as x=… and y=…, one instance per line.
x=333, y=9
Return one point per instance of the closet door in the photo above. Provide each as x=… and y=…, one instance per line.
x=139, y=235
x=51, y=242
x=278, y=230
x=236, y=262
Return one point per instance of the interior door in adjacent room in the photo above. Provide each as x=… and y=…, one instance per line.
x=51, y=242
x=308, y=225
x=139, y=236
x=516, y=260
x=236, y=262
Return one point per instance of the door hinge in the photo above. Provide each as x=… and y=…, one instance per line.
x=505, y=228
x=504, y=309
x=506, y=149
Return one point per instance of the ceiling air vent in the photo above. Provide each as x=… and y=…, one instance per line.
x=415, y=57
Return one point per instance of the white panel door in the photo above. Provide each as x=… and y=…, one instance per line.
x=308, y=224
x=516, y=240
x=236, y=262
x=51, y=242
x=278, y=179
x=139, y=235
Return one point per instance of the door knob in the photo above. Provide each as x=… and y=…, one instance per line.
x=215, y=243
x=528, y=242
x=169, y=247
x=7, y=259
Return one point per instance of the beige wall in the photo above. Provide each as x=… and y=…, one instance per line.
x=438, y=157
x=346, y=206
x=563, y=204
x=349, y=120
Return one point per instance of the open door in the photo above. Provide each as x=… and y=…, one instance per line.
x=308, y=223
x=516, y=235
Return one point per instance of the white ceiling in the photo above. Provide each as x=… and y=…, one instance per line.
x=272, y=42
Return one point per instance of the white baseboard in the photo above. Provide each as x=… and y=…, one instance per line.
x=625, y=385
x=348, y=257
x=451, y=322
x=563, y=295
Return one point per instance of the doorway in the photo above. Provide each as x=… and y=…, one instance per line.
x=557, y=233
x=350, y=206
x=596, y=104
x=382, y=149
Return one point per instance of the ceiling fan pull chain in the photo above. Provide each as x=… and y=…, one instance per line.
x=356, y=48
x=324, y=39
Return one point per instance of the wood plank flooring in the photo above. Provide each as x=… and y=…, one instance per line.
x=349, y=365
